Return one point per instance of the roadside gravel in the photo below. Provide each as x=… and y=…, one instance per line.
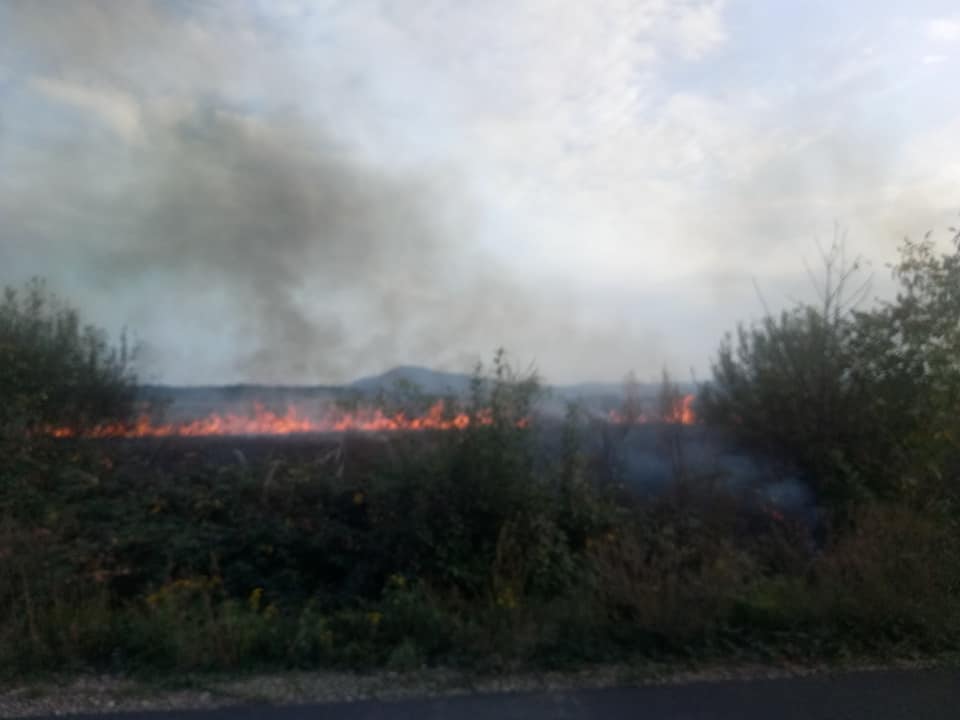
x=99, y=693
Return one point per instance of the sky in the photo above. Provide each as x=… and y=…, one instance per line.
x=307, y=191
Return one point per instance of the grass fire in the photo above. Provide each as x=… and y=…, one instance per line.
x=475, y=337
x=263, y=421
x=486, y=515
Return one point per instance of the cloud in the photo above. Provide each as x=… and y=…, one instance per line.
x=149, y=49
x=699, y=29
x=944, y=29
x=118, y=110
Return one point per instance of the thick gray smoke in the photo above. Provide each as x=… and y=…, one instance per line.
x=303, y=250
x=272, y=242
x=255, y=193
x=254, y=236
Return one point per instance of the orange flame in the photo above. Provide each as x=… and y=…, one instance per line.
x=266, y=422
x=681, y=414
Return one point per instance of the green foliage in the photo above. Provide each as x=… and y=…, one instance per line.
x=54, y=370
x=784, y=388
x=862, y=401
x=184, y=565
x=909, y=352
x=669, y=573
x=449, y=510
x=468, y=547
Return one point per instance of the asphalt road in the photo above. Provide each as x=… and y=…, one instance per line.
x=893, y=695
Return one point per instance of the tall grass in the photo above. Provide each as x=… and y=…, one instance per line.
x=463, y=547
x=454, y=548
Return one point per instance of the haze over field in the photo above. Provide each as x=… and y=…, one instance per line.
x=306, y=192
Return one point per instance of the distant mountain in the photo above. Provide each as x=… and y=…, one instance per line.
x=199, y=401
x=430, y=382
x=437, y=382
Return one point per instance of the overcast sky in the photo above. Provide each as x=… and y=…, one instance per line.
x=307, y=191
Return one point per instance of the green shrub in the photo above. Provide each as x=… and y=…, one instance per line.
x=895, y=576
x=54, y=370
x=468, y=548
x=863, y=402
x=672, y=574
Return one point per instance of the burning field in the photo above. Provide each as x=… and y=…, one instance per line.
x=233, y=527
x=294, y=421
x=645, y=445
x=261, y=420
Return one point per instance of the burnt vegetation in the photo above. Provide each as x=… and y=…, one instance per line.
x=478, y=547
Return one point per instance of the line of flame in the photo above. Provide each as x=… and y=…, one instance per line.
x=266, y=422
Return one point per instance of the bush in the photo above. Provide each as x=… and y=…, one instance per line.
x=909, y=350
x=56, y=371
x=672, y=574
x=471, y=547
x=895, y=576
x=446, y=510
x=862, y=402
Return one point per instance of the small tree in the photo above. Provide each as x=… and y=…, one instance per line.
x=784, y=386
x=55, y=370
x=909, y=349
x=863, y=401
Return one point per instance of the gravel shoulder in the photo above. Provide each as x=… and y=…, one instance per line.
x=82, y=694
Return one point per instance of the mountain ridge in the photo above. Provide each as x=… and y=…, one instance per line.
x=427, y=380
